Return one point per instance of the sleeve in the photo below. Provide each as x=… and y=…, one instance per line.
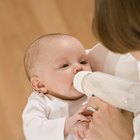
x=36, y=126
x=136, y=126
x=97, y=57
x=101, y=59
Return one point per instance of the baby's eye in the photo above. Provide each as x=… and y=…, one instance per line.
x=65, y=65
x=83, y=62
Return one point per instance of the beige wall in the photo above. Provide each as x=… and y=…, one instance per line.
x=21, y=21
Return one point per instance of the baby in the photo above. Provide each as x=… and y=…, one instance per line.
x=54, y=106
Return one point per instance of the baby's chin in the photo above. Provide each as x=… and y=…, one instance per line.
x=77, y=95
x=74, y=95
x=68, y=95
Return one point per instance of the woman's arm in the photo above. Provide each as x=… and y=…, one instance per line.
x=101, y=59
x=97, y=57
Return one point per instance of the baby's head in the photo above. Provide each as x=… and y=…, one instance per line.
x=51, y=62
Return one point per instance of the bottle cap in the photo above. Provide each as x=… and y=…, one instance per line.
x=77, y=82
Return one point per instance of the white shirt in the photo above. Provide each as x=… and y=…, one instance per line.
x=44, y=117
x=124, y=66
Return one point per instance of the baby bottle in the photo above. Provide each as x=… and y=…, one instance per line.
x=118, y=92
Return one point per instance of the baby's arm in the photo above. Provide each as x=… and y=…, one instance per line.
x=37, y=126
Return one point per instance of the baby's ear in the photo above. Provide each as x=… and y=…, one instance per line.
x=38, y=84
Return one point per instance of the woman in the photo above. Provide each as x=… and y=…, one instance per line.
x=116, y=23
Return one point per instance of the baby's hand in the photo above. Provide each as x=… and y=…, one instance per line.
x=79, y=129
x=82, y=115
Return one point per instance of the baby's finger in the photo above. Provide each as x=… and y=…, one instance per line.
x=81, y=117
x=75, y=131
x=81, y=130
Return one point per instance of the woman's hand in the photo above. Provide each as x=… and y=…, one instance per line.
x=109, y=123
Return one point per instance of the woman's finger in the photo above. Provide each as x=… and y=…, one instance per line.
x=96, y=103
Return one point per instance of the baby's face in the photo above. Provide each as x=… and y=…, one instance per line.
x=60, y=64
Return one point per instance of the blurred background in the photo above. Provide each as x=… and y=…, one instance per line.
x=22, y=21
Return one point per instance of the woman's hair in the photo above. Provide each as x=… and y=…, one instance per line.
x=116, y=24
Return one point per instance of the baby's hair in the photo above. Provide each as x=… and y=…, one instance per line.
x=33, y=51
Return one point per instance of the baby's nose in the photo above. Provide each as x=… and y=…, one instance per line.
x=78, y=68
